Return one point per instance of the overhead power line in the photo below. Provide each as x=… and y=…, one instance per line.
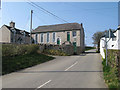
x=41, y=8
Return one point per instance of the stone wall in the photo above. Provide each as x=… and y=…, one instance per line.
x=68, y=49
x=114, y=60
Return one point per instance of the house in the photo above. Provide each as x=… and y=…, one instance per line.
x=113, y=43
x=59, y=34
x=10, y=34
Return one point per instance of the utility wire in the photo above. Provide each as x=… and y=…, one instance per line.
x=39, y=18
x=39, y=9
x=35, y=5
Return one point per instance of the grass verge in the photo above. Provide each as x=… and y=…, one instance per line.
x=110, y=76
x=15, y=63
x=89, y=48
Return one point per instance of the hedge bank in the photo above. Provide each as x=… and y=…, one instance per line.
x=17, y=57
x=112, y=70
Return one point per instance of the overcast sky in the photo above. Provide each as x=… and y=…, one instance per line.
x=95, y=16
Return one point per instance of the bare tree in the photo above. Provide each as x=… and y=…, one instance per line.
x=96, y=39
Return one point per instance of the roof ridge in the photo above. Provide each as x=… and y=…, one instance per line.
x=58, y=24
x=9, y=27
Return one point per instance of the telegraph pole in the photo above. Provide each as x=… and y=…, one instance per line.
x=31, y=27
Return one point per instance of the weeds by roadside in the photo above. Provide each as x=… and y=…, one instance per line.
x=110, y=76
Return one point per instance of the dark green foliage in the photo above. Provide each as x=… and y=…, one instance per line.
x=89, y=48
x=11, y=64
x=110, y=76
x=17, y=57
x=13, y=49
x=54, y=52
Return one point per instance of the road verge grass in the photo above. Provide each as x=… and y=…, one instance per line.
x=15, y=63
x=16, y=57
x=110, y=76
x=89, y=48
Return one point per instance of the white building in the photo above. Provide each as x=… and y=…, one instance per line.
x=113, y=43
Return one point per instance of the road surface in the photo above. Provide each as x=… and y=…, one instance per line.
x=77, y=71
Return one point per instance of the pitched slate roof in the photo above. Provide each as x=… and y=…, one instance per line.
x=58, y=27
x=18, y=31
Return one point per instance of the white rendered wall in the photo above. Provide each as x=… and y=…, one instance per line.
x=102, y=47
x=111, y=44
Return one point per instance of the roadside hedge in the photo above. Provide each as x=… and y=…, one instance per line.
x=14, y=50
x=111, y=71
x=16, y=57
x=54, y=52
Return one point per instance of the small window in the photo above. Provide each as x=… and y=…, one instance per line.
x=74, y=33
x=36, y=35
x=114, y=39
x=41, y=37
x=112, y=45
x=53, y=36
x=47, y=37
x=24, y=34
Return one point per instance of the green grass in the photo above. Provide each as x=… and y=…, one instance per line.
x=110, y=76
x=89, y=48
x=15, y=63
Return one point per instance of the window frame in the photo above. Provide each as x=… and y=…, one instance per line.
x=48, y=37
x=54, y=37
x=73, y=33
x=114, y=39
x=41, y=37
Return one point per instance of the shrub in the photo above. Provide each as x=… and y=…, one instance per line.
x=54, y=52
x=13, y=49
x=110, y=76
x=16, y=57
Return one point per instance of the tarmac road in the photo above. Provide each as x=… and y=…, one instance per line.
x=77, y=71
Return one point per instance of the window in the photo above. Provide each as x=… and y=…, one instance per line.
x=114, y=39
x=41, y=37
x=53, y=36
x=24, y=34
x=36, y=35
x=47, y=37
x=112, y=45
x=74, y=33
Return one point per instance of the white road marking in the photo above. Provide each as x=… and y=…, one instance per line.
x=43, y=84
x=71, y=66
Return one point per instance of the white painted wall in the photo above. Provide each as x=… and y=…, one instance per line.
x=112, y=44
x=102, y=47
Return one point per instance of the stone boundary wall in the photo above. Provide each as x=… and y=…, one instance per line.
x=114, y=60
x=68, y=49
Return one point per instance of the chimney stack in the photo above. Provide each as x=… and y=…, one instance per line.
x=12, y=24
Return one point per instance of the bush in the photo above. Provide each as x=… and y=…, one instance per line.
x=54, y=52
x=16, y=57
x=110, y=76
x=13, y=49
